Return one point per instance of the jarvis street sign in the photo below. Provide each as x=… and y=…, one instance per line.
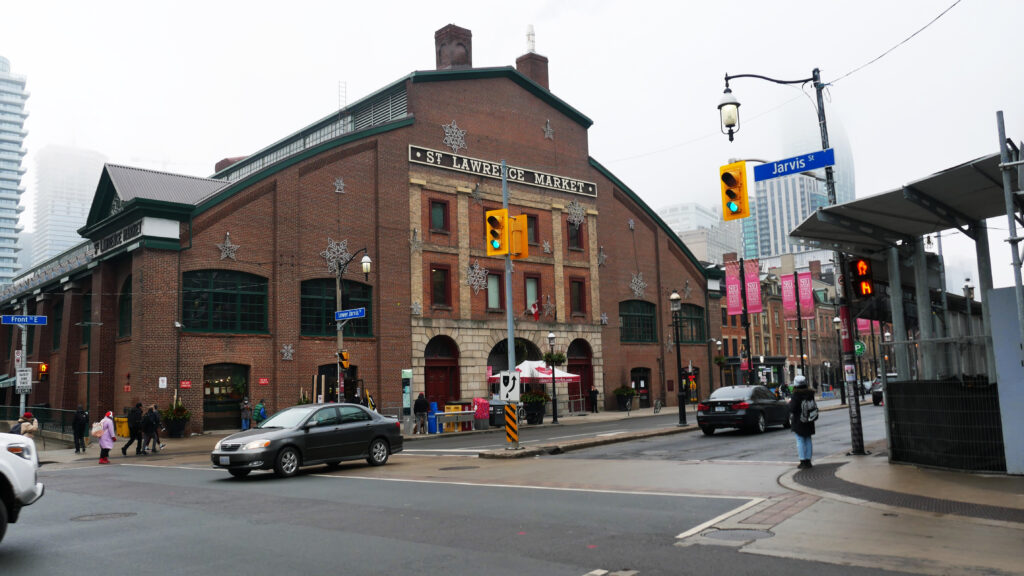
x=795, y=165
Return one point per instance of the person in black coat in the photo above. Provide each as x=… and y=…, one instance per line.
x=78, y=427
x=420, y=409
x=134, y=430
x=802, y=393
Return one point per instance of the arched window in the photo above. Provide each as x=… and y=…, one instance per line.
x=691, y=327
x=124, y=309
x=320, y=301
x=636, y=321
x=224, y=301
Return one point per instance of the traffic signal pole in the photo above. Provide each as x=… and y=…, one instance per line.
x=509, y=321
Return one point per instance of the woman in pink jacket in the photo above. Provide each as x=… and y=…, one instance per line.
x=108, y=437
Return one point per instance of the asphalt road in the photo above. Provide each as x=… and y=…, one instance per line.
x=404, y=518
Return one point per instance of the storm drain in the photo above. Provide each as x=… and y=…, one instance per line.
x=95, y=517
x=737, y=535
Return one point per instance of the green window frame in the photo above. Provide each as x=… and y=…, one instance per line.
x=224, y=301
x=319, y=302
x=637, y=321
x=691, y=325
x=57, y=324
x=124, y=309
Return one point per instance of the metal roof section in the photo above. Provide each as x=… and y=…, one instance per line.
x=131, y=183
x=958, y=197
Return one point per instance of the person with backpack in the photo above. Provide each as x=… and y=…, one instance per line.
x=803, y=411
x=27, y=425
x=134, y=430
x=259, y=413
x=78, y=425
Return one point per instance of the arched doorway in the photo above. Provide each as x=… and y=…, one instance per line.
x=579, y=360
x=224, y=386
x=525, y=350
x=441, y=378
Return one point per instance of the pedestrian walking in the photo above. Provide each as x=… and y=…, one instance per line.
x=134, y=430
x=107, y=437
x=149, y=423
x=593, y=399
x=78, y=425
x=246, y=412
x=803, y=411
x=157, y=428
x=27, y=425
x=420, y=409
x=259, y=413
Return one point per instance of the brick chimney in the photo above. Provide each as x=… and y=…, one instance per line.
x=535, y=67
x=227, y=162
x=815, y=266
x=454, y=48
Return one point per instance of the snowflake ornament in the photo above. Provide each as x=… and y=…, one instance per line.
x=547, y=247
x=576, y=213
x=453, y=137
x=287, y=352
x=339, y=185
x=686, y=290
x=416, y=309
x=637, y=285
x=337, y=255
x=476, y=277
x=478, y=194
x=601, y=256
x=631, y=224
x=604, y=318
x=227, y=249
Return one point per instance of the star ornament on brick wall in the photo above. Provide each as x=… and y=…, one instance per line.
x=547, y=247
x=336, y=255
x=416, y=309
x=549, y=132
x=601, y=256
x=604, y=318
x=453, y=137
x=476, y=277
x=549, y=307
x=287, y=352
x=227, y=249
x=339, y=185
x=637, y=285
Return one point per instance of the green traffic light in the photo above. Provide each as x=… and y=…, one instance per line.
x=733, y=207
x=495, y=244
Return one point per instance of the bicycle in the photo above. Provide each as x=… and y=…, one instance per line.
x=658, y=405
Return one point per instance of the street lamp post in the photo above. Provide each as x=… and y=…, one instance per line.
x=339, y=264
x=842, y=385
x=554, y=386
x=729, y=111
x=675, y=305
x=721, y=381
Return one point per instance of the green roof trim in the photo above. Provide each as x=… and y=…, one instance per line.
x=653, y=215
x=306, y=154
x=134, y=210
x=513, y=75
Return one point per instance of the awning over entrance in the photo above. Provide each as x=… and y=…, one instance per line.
x=7, y=381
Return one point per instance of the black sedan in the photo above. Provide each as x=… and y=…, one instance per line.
x=307, y=435
x=752, y=408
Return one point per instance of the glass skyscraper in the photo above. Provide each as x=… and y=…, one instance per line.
x=12, y=152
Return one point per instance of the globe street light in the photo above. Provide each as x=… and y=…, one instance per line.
x=675, y=305
x=554, y=387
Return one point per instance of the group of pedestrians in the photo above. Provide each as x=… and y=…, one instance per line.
x=143, y=430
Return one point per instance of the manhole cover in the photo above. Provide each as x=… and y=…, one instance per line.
x=459, y=468
x=738, y=535
x=111, y=516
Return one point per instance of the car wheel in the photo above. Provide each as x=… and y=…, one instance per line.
x=239, y=473
x=760, y=425
x=378, y=452
x=707, y=430
x=785, y=422
x=287, y=463
x=3, y=520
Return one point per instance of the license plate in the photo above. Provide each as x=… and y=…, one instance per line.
x=225, y=460
x=719, y=408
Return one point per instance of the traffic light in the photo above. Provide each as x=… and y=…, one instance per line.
x=497, y=232
x=344, y=359
x=860, y=277
x=734, y=191
x=44, y=371
x=519, y=247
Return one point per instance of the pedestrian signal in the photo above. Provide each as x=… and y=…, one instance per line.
x=860, y=275
x=343, y=357
x=734, y=191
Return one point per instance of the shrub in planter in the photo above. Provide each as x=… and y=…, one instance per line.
x=623, y=393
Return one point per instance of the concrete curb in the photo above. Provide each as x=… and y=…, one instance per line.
x=584, y=443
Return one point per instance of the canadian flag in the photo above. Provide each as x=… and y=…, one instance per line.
x=535, y=310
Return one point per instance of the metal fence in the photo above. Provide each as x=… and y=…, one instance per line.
x=952, y=423
x=50, y=419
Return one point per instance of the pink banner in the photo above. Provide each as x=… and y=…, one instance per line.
x=788, y=297
x=806, y=295
x=752, y=277
x=733, y=301
x=864, y=326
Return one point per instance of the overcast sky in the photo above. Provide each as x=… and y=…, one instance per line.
x=178, y=85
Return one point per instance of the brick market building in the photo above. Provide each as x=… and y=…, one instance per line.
x=215, y=288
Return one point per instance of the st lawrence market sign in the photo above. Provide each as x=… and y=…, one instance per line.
x=489, y=169
x=117, y=238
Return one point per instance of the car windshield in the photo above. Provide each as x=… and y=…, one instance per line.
x=289, y=417
x=732, y=393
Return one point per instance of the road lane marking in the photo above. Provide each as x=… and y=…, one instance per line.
x=700, y=527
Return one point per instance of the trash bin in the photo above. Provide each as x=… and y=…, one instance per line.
x=432, y=419
x=121, y=426
x=481, y=413
x=497, y=412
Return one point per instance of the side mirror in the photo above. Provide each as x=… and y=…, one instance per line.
x=310, y=424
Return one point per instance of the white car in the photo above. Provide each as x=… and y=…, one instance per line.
x=19, y=477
